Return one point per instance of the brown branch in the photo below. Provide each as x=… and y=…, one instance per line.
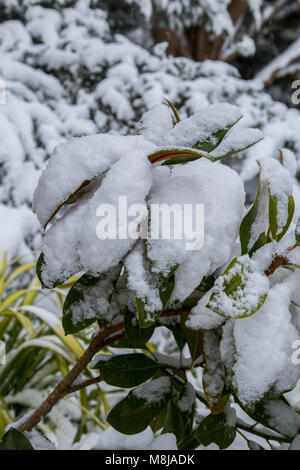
x=278, y=261
x=84, y=384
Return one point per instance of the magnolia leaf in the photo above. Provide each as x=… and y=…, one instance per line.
x=236, y=142
x=173, y=154
x=188, y=443
x=248, y=245
x=254, y=446
x=135, y=412
x=88, y=300
x=40, y=265
x=240, y=291
x=297, y=231
x=125, y=370
x=214, y=376
x=146, y=318
x=73, y=197
x=193, y=338
x=136, y=335
x=15, y=440
x=216, y=137
x=275, y=413
x=167, y=287
x=278, y=233
x=180, y=411
x=215, y=428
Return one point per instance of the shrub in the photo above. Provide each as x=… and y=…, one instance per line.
x=233, y=301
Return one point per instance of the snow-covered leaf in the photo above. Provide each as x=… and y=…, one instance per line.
x=276, y=414
x=253, y=227
x=134, y=413
x=213, y=378
x=240, y=291
x=88, y=300
x=216, y=428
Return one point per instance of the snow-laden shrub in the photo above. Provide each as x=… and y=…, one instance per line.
x=233, y=301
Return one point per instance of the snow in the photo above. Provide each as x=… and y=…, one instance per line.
x=263, y=344
x=295, y=444
x=199, y=127
x=24, y=225
x=219, y=189
x=141, y=281
x=202, y=318
x=282, y=417
x=154, y=390
x=72, y=244
x=246, y=297
x=91, y=156
x=280, y=62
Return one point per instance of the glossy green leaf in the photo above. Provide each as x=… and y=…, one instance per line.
x=215, y=428
x=194, y=339
x=126, y=370
x=135, y=412
x=15, y=440
x=247, y=244
x=136, y=335
x=277, y=233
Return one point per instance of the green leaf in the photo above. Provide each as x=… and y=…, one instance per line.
x=15, y=440
x=135, y=412
x=277, y=233
x=216, y=138
x=40, y=266
x=215, y=428
x=146, y=318
x=297, y=231
x=240, y=291
x=76, y=297
x=124, y=344
x=254, y=446
x=80, y=308
x=136, y=335
x=180, y=411
x=180, y=160
x=158, y=422
x=167, y=287
x=267, y=412
x=188, y=443
x=248, y=223
x=251, y=137
x=175, y=327
x=126, y=370
x=194, y=339
x=214, y=376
